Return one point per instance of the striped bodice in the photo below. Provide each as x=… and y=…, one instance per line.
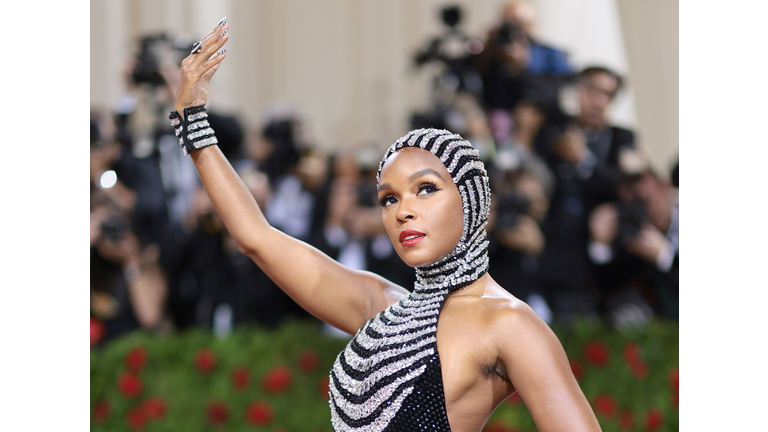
x=384, y=364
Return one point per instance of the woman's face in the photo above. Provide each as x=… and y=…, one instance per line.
x=421, y=206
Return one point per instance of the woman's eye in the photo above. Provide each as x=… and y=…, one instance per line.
x=387, y=200
x=427, y=188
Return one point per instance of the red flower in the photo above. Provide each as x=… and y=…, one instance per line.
x=626, y=420
x=217, y=413
x=101, y=411
x=514, y=400
x=308, y=360
x=205, y=360
x=97, y=331
x=154, y=408
x=323, y=387
x=576, y=368
x=136, y=358
x=631, y=353
x=129, y=385
x=639, y=369
x=654, y=419
x=135, y=418
x=241, y=377
x=259, y=413
x=277, y=380
x=674, y=379
x=606, y=405
x=597, y=353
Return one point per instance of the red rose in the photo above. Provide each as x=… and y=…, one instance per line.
x=129, y=385
x=241, y=378
x=631, y=353
x=154, y=408
x=205, y=360
x=136, y=358
x=217, y=413
x=654, y=419
x=576, y=368
x=277, y=380
x=626, y=420
x=259, y=413
x=101, y=411
x=514, y=400
x=135, y=418
x=308, y=360
x=606, y=405
x=639, y=369
x=97, y=331
x=674, y=379
x=323, y=387
x=597, y=353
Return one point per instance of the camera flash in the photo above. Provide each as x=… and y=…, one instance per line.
x=108, y=179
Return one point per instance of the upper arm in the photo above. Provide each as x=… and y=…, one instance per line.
x=538, y=368
x=338, y=295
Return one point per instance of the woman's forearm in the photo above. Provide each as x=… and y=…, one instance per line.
x=231, y=198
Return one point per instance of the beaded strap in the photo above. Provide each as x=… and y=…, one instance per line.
x=194, y=132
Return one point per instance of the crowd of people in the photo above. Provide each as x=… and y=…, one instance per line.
x=580, y=225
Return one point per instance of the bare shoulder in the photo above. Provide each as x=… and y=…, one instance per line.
x=514, y=325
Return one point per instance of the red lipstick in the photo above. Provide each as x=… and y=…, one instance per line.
x=409, y=238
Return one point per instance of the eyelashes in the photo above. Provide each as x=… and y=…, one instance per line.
x=424, y=188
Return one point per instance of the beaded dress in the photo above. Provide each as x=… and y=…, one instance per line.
x=388, y=378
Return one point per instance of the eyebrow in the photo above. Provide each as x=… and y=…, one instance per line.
x=413, y=177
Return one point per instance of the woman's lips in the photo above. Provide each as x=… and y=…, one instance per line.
x=409, y=238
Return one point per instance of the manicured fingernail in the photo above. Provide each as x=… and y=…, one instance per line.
x=223, y=21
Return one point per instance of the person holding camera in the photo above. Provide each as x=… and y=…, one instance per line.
x=634, y=244
x=585, y=159
x=128, y=289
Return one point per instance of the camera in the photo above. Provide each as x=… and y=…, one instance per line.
x=115, y=227
x=632, y=216
x=147, y=68
x=511, y=206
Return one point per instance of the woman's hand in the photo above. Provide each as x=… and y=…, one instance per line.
x=198, y=68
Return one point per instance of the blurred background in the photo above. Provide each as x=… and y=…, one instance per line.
x=572, y=105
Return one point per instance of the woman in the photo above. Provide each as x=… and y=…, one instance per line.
x=435, y=199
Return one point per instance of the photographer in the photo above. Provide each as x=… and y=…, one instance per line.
x=128, y=288
x=518, y=205
x=635, y=247
x=585, y=159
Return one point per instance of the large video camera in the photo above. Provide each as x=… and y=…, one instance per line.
x=455, y=51
x=153, y=49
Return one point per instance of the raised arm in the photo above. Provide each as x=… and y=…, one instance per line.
x=340, y=296
x=538, y=368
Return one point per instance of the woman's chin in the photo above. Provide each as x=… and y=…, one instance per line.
x=419, y=259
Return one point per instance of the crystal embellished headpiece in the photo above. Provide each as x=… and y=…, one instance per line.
x=469, y=260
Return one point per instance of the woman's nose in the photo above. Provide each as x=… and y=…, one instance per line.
x=405, y=210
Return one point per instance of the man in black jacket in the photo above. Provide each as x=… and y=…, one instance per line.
x=585, y=159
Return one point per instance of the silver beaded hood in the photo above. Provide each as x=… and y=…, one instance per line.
x=469, y=260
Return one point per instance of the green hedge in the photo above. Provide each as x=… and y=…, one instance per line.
x=257, y=380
